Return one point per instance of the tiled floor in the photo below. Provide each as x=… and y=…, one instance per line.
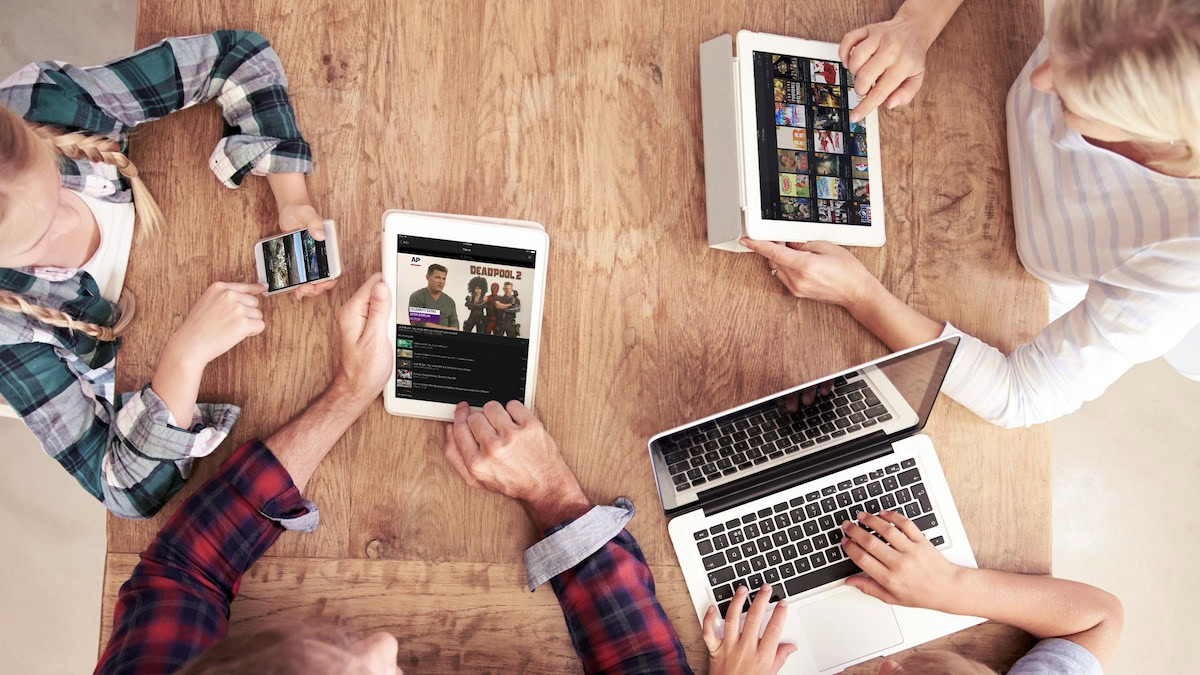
x=1124, y=468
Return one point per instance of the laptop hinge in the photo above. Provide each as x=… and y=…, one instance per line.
x=794, y=473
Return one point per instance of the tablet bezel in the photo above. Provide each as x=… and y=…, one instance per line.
x=450, y=228
x=758, y=227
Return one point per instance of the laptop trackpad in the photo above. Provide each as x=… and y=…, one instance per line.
x=847, y=626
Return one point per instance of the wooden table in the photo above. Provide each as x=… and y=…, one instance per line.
x=584, y=116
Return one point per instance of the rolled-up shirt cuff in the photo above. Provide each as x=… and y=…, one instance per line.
x=148, y=425
x=568, y=544
x=267, y=486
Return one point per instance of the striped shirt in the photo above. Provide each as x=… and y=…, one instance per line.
x=1119, y=245
x=126, y=448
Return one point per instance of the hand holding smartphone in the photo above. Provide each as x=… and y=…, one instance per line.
x=286, y=262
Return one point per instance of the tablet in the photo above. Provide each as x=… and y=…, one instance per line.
x=809, y=174
x=467, y=310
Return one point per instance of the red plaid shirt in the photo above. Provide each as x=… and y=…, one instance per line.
x=176, y=603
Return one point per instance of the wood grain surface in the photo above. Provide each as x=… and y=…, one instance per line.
x=583, y=116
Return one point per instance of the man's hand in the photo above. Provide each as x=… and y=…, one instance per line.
x=743, y=652
x=505, y=449
x=366, y=352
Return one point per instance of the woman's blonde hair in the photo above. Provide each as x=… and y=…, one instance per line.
x=1134, y=64
x=21, y=146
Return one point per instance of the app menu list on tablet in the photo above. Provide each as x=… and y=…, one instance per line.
x=812, y=160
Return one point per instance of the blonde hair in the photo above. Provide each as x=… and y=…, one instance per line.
x=21, y=145
x=942, y=662
x=1134, y=64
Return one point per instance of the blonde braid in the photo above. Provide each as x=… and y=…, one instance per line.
x=101, y=150
x=12, y=302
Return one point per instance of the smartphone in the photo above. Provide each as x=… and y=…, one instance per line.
x=286, y=262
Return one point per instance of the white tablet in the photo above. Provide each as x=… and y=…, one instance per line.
x=466, y=312
x=809, y=174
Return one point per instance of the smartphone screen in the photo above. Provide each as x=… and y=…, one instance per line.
x=293, y=259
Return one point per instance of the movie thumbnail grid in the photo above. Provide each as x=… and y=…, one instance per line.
x=821, y=158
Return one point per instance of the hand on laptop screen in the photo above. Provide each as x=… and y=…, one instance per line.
x=742, y=652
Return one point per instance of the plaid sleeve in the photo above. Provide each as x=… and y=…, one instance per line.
x=615, y=621
x=237, y=68
x=176, y=603
x=126, y=453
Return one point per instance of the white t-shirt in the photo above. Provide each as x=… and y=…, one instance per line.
x=107, y=265
x=1119, y=245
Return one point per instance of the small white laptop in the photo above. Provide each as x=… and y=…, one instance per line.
x=757, y=494
x=781, y=159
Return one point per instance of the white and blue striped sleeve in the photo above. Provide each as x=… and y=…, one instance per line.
x=1135, y=313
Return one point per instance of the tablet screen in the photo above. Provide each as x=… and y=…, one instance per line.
x=461, y=310
x=812, y=161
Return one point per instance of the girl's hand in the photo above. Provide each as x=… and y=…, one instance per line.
x=888, y=61
x=816, y=270
x=303, y=216
x=909, y=572
x=225, y=314
x=743, y=652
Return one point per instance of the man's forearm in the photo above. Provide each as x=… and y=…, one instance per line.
x=302, y=443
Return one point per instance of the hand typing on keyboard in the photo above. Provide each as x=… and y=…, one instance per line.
x=743, y=652
x=908, y=570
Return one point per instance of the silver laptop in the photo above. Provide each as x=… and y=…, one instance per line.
x=756, y=494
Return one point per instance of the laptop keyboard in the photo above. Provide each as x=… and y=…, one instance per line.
x=726, y=446
x=795, y=545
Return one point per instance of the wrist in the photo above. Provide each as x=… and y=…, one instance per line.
x=181, y=359
x=864, y=296
x=954, y=599
x=340, y=395
x=557, y=502
x=928, y=17
x=289, y=189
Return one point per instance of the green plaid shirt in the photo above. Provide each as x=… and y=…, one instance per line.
x=126, y=449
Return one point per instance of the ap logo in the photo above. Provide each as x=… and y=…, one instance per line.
x=415, y=261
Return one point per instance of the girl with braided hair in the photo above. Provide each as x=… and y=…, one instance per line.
x=69, y=198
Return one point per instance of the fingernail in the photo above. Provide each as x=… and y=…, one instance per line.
x=845, y=525
x=861, y=515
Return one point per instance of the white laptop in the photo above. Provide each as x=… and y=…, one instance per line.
x=782, y=161
x=757, y=494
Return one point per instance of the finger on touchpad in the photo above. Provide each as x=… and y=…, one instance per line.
x=847, y=626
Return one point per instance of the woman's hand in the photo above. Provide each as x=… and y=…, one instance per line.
x=816, y=270
x=888, y=59
x=225, y=314
x=743, y=652
x=909, y=572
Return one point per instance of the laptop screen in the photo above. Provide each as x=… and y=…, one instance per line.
x=886, y=399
